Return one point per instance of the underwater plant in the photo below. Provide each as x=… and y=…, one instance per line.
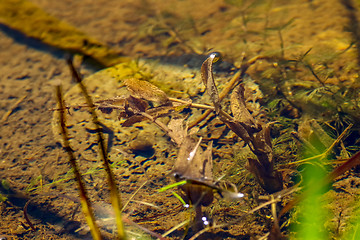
x=254, y=132
x=87, y=207
x=193, y=167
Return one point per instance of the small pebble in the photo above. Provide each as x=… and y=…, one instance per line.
x=143, y=142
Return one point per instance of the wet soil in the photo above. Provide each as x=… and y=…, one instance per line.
x=34, y=166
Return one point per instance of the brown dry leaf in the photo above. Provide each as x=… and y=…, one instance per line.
x=262, y=144
x=108, y=105
x=208, y=80
x=177, y=129
x=136, y=104
x=192, y=162
x=145, y=90
x=263, y=167
x=240, y=112
x=195, y=164
x=154, y=113
x=132, y=120
x=238, y=129
x=271, y=181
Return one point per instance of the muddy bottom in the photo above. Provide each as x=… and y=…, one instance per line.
x=305, y=82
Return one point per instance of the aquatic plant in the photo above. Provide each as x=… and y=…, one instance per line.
x=193, y=165
x=115, y=197
x=285, y=81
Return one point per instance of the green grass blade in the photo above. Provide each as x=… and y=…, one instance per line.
x=163, y=189
x=311, y=211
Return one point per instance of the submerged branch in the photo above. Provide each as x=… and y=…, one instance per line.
x=114, y=193
x=85, y=202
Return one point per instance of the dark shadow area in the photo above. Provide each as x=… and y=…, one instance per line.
x=353, y=24
x=223, y=235
x=36, y=44
x=21, y=38
x=41, y=214
x=193, y=61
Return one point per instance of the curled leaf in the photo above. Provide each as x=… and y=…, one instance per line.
x=145, y=90
x=240, y=112
x=208, y=80
x=195, y=165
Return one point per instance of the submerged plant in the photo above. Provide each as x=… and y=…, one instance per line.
x=193, y=167
x=85, y=203
x=254, y=132
x=88, y=208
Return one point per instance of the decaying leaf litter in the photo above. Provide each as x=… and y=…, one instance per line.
x=288, y=106
x=196, y=170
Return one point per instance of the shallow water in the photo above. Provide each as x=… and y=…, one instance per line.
x=307, y=69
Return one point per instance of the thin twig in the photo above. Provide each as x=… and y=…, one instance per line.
x=350, y=163
x=230, y=85
x=176, y=227
x=154, y=234
x=191, y=104
x=11, y=110
x=237, y=220
x=133, y=195
x=336, y=141
x=323, y=155
x=276, y=198
x=85, y=202
x=114, y=193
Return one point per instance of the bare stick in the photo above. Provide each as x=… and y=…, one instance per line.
x=114, y=193
x=8, y=113
x=85, y=202
x=190, y=104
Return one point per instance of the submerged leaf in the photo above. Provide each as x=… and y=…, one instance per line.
x=153, y=112
x=132, y=120
x=194, y=163
x=136, y=104
x=145, y=90
x=177, y=129
x=108, y=105
x=208, y=80
x=240, y=112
